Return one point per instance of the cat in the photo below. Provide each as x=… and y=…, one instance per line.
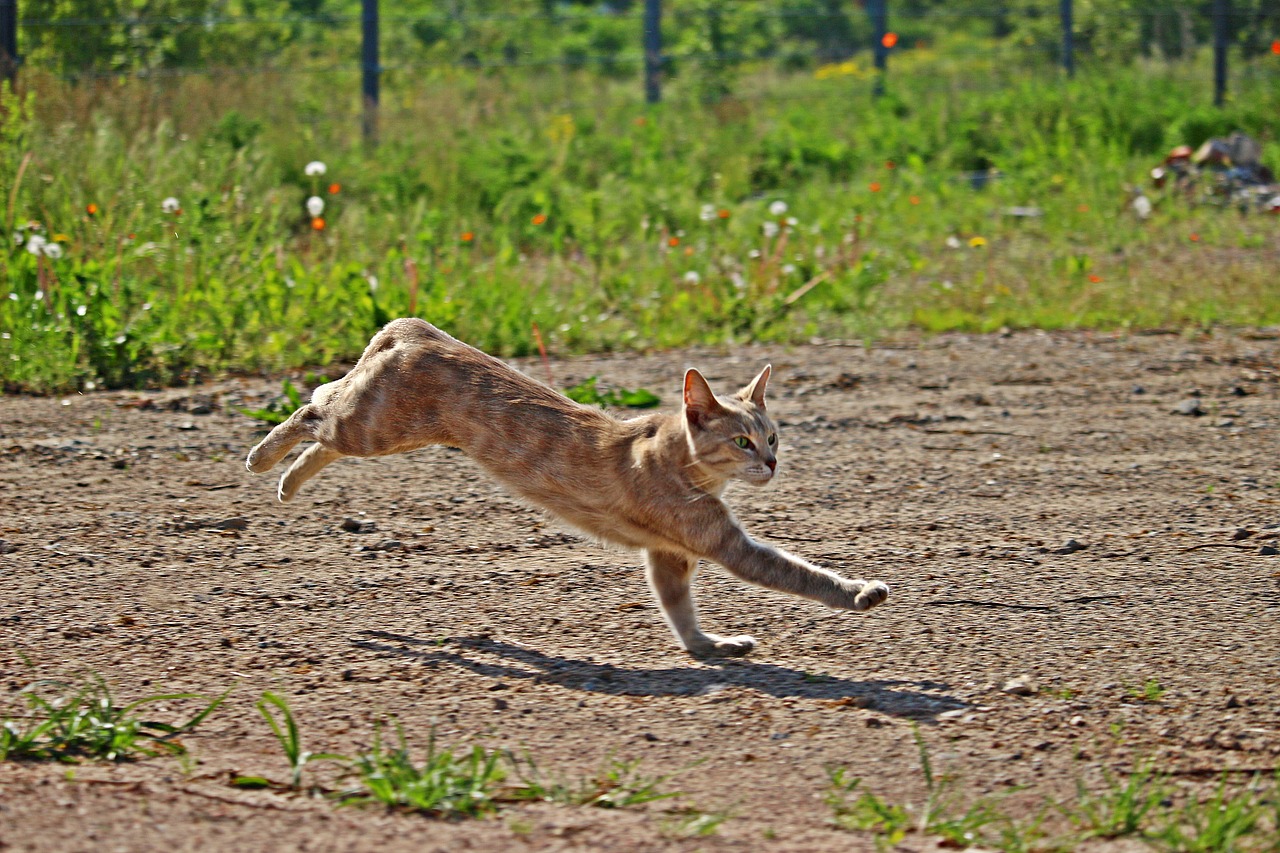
x=652, y=482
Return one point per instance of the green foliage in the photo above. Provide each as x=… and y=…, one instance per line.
x=617, y=785
x=1121, y=809
x=279, y=409
x=868, y=813
x=443, y=784
x=275, y=710
x=588, y=394
x=499, y=199
x=86, y=723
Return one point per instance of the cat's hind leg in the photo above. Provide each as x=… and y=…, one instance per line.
x=300, y=425
x=670, y=575
x=306, y=466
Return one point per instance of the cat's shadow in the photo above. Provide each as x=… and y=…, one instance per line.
x=918, y=700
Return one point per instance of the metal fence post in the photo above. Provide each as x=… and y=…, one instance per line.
x=652, y=51
x=878, y=11
x=1221, y=10
x=370, y=68
x=9, y=41
x=1068, y=39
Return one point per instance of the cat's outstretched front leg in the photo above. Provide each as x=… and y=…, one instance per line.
x=669, y=576
x=776, y=569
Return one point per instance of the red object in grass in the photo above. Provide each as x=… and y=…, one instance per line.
x=889, y=39
x=91, y=208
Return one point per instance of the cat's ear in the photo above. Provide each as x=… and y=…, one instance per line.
x=755, y=389
x=699, y=402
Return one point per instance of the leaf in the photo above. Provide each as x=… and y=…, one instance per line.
x=251, y=782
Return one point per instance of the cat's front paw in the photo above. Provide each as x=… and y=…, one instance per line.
x=712, y=646
x=871, y=594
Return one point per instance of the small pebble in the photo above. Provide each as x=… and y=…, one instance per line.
x=355, y=525
x=1190, y=407
x=1022, y=685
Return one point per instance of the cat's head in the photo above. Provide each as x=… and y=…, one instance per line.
x=730, y=437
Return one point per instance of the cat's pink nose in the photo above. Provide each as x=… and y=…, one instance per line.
x=772, y=463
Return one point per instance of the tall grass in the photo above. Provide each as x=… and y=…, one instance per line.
x=503, y=198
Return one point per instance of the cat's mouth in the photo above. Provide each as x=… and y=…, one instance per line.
x=757, y=476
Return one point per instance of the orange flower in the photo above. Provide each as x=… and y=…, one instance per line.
x=688, y=251
x=91, y=208
x=673, y=241
x=875, y=186
x=1082, y=208
x=334, y=189
x=317, y=223
x=1095, y=278
x=723, y=214
x=915, y=199
x=539, y=218
x=889, y=164
x=1275, y=47
x=1195, y=238
x=889, y=39
x=467, y=236
x=641, y=121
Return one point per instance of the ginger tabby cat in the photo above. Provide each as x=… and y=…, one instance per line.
x=652, y=482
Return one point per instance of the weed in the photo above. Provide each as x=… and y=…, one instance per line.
x=1121, y=809
x=285, y=728
x=617, y=785
x=86, y=723
x=279, y=409
x=1247, y=820
x=868, y=812
x=694, y=823
x=1150, y=691
x=443, y=784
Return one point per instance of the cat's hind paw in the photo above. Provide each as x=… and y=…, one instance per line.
x=871, y=594
x=712, y=646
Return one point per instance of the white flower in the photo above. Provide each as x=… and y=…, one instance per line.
x=953, y=242
x=792, y=222
x=707, y=213
x=788, y=269
x=315, y=167
x=170, y=205
x=35, y=244
x=315, y=206
x=52, y=250
x=770, y=229
x=81, y=311
x=778, y=208
x=692, y=277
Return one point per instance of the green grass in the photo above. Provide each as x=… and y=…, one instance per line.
x=616, y=785
x=443, y=784
x=1241, y=818
x=502, y=202
x=86, y=723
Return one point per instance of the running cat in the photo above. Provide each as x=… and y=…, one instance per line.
x=651, y=482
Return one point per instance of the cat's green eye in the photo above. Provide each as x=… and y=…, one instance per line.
x=742, y=441
x=773, y=439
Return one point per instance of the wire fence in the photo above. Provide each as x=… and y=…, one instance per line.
x=655, y=43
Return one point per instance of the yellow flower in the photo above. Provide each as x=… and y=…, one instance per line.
x=977, y=242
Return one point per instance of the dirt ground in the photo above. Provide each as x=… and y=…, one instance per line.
x=958, y=469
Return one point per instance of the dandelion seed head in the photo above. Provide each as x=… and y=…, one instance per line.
x=81, y=310
x=315, y=206
x=778, y=208
x=707, y=213
x=692, y=277
x=52, y=251
x=171, y=205
x=314, y=168
x=770, y=229
x=35, y=244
